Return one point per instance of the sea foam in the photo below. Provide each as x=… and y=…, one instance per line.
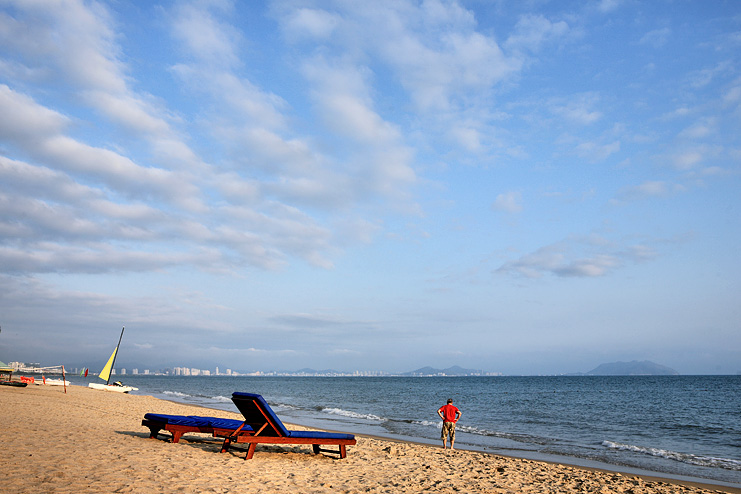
x=703, y=461
x=177, y=394
x=353, y=415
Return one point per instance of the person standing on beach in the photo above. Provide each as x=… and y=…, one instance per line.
x=450, y=416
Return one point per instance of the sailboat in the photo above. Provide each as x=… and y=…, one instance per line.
x=106, y=373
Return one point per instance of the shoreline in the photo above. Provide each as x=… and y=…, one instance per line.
x=92, y=441
x=590, y=465
x=644, y=474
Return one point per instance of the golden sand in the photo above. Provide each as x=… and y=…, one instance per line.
x=93, y=441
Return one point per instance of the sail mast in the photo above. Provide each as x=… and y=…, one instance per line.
x=115, y=354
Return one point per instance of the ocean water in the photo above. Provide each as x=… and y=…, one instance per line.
x=686, y=427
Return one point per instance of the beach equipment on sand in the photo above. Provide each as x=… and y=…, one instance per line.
x=180, y=424
x=52, y=369
x=270, y=430
x=260, y=426
x=105, y=374
x=17, y=384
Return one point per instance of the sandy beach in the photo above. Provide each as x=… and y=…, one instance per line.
x=93, y=441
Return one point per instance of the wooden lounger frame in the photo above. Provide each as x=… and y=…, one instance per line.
x=255, y=440
x=177, y=430
x=268, y=429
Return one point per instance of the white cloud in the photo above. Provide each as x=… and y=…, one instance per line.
x=647, y=190
x=656, y=37
x=579, y=109
x=701, y=129
x=651, y=189
x=606, y=6
x=532, y=31
x=577, y=257
x=509, y=202
x=211, y=41
x=688, y=159
x=433, y=49
x=45, y=142
x=313, y=23
x=28, y=119
x=703, y=77
x=379, y=161
x=595, y=152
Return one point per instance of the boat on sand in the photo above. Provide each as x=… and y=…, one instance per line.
x=54, y=382
x=105, y=374
x=116, y=388
x=17, y=384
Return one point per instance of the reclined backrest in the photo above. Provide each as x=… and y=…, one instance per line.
x=257, y=412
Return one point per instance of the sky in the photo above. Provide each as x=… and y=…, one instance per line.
x=524, y=187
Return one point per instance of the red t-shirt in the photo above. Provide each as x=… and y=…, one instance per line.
x=449, y=413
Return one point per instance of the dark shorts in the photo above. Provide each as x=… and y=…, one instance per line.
x=448, y=430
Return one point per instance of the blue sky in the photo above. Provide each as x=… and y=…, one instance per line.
x=521, y=187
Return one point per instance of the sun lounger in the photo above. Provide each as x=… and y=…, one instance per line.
x=180, y=424
x=267, y=428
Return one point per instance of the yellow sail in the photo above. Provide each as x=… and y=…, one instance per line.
x=105, y=374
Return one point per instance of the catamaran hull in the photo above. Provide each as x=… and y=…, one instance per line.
x=110, y=387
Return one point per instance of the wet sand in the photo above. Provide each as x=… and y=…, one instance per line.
x=93, y=441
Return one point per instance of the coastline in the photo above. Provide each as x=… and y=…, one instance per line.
x=93, y=441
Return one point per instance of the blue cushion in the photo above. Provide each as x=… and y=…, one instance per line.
x=320, y=435
x=190, y=421
x=231, y=424
x=197, y=421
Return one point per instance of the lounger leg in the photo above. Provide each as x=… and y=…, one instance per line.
x=225, y=446
x=316, y=448
x=153, y=433
x=176, y=436
x=251, y=451
x=343, y=451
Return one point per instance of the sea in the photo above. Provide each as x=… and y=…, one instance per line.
x=681, y=427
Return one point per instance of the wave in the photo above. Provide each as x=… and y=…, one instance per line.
x=699, y=460
x=178, y=394
x=190, y=397
x=459, y=428
x=353, y=415
x=426, y=423
x=512, y=436
x=224, y=399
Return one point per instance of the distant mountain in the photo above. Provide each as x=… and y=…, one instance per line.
x=634, y=368
x=450, y=371
x=307, y=370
